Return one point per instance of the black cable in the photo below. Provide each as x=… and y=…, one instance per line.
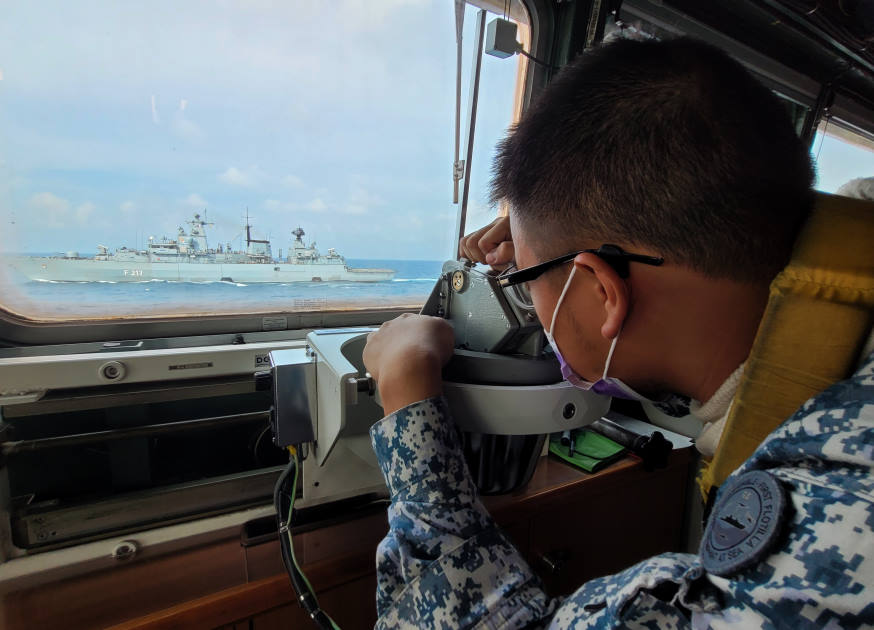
x=305, y=595
x=538, y=61
x=306, y=598
x=257, y=443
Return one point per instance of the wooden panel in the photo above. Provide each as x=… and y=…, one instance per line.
x=607, y=527
x=126, y=592
x=350, y=538
x=520, y=535
x=247, y=600
x=607, y=521
x=289, y=617
x=240, y=603
x=352, y=606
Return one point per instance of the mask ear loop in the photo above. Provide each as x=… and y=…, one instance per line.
x=561, y=299
x=610, y=355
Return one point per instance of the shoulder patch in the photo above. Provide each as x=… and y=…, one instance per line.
x=745, y=522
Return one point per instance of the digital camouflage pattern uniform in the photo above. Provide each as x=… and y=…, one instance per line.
x=444, y=563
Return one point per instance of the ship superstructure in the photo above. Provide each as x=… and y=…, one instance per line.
x=189, y=258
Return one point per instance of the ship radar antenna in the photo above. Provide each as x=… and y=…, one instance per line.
x=299, y=233
x=201, y=222
x=197, y=226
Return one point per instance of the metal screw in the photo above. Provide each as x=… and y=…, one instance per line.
x=112, y=370
x=125, y=550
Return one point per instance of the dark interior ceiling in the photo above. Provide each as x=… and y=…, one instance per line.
x=808, y=44
x=830, y=41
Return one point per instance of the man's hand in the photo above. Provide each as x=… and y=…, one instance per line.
x=492, y=244
x=405, y=357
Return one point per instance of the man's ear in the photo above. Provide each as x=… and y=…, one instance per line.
x=613, y=292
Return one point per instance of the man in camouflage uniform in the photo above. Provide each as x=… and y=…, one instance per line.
x=669, y=150
x=444, y=563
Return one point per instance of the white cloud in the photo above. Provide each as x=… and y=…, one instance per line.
x=84, y=212
x=195, y=201
x=49, y=201
x=292, y=181
x=317, y=205
x=363, y=196
x=234, y=176
x=275, y=206
x=128, y=207
x=183, y=126
x=360, y=14
x=155, y=118
x=186, y=129
x=354, y=208
x=360, y=201
x=51, y=210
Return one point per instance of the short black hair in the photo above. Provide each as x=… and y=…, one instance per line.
x=672, y=145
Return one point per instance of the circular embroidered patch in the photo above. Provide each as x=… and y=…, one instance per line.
x=744, y=524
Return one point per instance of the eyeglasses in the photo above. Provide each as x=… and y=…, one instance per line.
x=613, y=255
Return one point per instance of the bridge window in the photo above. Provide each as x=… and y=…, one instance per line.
x=841, y=155
x=159, y=158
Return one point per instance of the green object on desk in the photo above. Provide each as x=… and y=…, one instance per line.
x=591, y=451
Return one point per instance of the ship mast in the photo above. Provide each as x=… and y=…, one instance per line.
x=258, y=250
x=248, y=227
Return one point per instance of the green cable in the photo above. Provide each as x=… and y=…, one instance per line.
x=291, y=542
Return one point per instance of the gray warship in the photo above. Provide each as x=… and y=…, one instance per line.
x=189, y=258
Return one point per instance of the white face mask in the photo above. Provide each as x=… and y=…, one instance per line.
x=606, y=385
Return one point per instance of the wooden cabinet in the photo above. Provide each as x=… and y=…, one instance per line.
x=606, y=527
x=571, y=527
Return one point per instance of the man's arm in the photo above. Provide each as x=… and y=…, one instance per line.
x=444, y=562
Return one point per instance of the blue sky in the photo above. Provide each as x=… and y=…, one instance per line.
x=837, y=162
x=119, y=121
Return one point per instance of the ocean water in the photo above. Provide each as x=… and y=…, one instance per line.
x=413, y=282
